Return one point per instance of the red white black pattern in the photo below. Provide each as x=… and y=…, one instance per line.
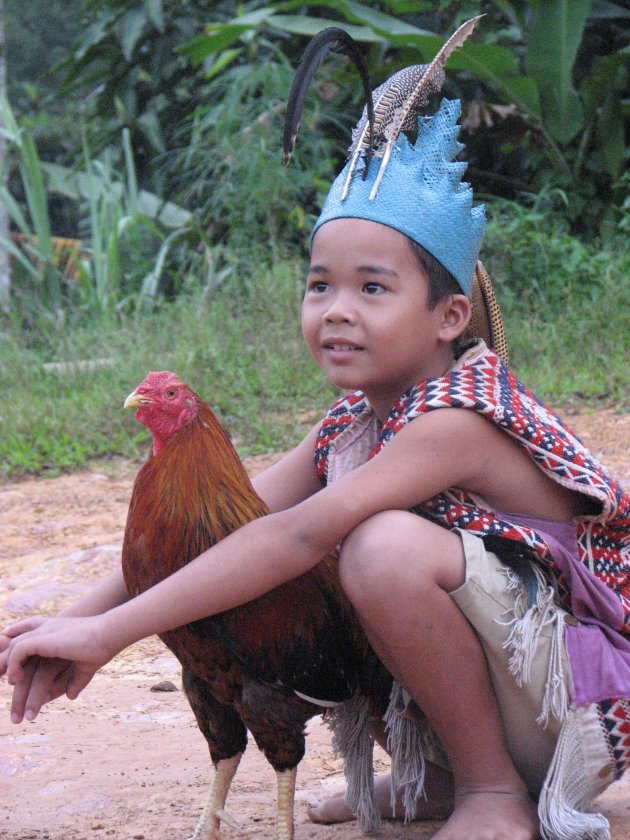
x=614, y=718
x=488, y=386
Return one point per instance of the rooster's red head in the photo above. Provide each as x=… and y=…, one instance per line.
x=164, y=405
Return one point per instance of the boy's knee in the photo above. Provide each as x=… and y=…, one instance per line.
x=363, y=546
x=396, y=549
x=370, y=559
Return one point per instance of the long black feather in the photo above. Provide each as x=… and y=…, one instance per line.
x=331, y=39
x=519, y=559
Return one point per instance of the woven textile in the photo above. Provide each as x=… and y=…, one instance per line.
x=489, y=387
x=485, y=384
x=614, y=717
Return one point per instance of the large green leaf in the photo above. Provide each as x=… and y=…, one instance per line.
x=77, y=185
x=612, y=137
x=132, y=26
x=213, y=41
x=555, y=33
x=608, y=73
x=218, y=36
x=222, y=61
x=375, y=19
x=155, y=13
x=300, y=25
x=602, y=93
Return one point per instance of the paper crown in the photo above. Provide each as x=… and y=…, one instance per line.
x=421, y=195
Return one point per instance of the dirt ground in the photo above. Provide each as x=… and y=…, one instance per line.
x=124, y=761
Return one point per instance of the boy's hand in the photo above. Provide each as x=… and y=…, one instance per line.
x=11, y=632
x=44, y=680
x=60, y=655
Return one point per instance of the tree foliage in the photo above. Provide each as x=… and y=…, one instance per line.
x=544, y=85
x=545, y=82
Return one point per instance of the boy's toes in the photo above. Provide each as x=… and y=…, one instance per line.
x=331, y=810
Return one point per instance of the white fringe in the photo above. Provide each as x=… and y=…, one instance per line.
x=352, y=740
x=354, y=743
x=566, y=792
x=527, y=625
x=405, y=745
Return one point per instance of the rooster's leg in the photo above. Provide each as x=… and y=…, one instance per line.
x=214, y=809
x=286, y=801
x=227, y=738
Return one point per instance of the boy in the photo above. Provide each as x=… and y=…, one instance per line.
x=382, y=318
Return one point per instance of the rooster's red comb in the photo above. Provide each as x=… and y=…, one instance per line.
x=159, y=379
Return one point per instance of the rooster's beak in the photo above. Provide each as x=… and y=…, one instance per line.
x=135, y=400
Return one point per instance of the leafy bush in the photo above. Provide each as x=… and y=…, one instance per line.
x=122, y=229
x=230, y=168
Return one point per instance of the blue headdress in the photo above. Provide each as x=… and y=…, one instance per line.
x=416, y=189
x=421, y=194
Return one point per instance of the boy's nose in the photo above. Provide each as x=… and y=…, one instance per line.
x=339, y=310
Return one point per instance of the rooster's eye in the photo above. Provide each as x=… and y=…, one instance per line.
x=171, y=393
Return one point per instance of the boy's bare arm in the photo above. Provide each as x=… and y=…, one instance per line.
x=429, y=455
x=285, y=483
x=268, y=551
x=291, y=479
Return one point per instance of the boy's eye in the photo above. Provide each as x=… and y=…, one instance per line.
x=373, y=288
x=317, y=286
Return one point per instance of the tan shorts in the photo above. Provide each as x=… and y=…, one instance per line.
x=488, y=605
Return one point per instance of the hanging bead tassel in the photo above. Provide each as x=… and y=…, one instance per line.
x=567, y=790
x=352, y=740
x=404, y=743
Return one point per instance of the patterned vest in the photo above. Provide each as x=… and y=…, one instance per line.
x=482, y=382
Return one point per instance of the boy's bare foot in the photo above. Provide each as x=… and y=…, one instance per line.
x=438, y=805
x=491, y=815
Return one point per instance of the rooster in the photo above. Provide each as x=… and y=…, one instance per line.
x=259, y=666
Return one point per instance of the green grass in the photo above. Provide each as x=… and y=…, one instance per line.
x=243, y=353
x=566, y=306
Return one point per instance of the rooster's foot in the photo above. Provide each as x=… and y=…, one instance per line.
x=214, y=810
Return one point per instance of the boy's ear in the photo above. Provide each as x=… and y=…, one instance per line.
x=456, y=315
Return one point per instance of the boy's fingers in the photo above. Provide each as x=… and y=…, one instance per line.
x=21, y=690
x=42, y=685
x=21, y=650
x=23, y=626
x=60, y=683
x=13, y=631
x=5, y=641
x=77, y=683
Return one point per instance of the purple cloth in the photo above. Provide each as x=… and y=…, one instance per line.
x=599, y=654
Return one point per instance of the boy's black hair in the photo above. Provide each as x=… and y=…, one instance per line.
x=441, y=281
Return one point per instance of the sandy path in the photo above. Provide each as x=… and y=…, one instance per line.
x=123, y=761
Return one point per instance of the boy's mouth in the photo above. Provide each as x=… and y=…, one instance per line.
x=340, y=345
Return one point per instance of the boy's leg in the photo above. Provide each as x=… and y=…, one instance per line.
x=398, y=569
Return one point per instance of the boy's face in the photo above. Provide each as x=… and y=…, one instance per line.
x=365, y=314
